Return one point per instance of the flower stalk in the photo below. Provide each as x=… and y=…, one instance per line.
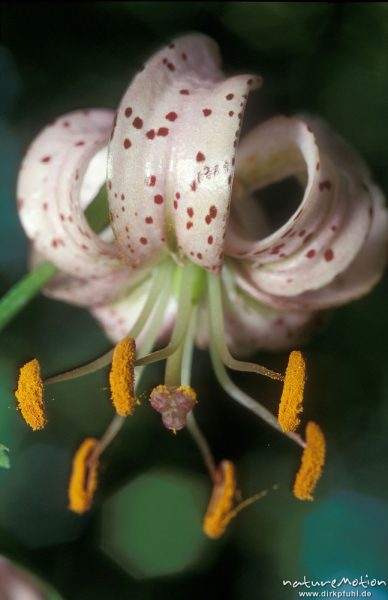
x=24, y=291
x=29, y=286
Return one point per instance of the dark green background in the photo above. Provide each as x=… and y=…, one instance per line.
x=315, y=57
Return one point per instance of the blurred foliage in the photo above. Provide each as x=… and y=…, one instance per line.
x=4, y=458
x=143, y=539
x=162, y=512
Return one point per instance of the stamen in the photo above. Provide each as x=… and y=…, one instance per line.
x=221, y=502
x=313, y=459
x=161, y=277
x=191, y=423
x=240, y=396
x=145, y=346
x=83, y=480
x=122, y=377
x=216, y=319
x=292, y=397
x=29, y=395
x=174, y=404
x=221, y=509
x=202, y=445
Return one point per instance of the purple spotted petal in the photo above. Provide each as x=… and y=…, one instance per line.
x=331, y=225
x=171, y=158
x=174, y=404
x=61, y=173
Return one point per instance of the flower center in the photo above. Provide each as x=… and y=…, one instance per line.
x=193, y=293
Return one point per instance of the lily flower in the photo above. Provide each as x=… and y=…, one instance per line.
x=188, y=255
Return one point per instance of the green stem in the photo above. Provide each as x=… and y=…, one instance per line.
x=25, y=290
x=30, y=285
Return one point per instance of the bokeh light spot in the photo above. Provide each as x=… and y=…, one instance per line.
x=152, y=526
x=346, y=536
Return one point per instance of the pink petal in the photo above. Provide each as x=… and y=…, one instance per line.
x=358, y=279
x=94, y=291
x=331, y=224
x=172, y=154
x=60, y=174
x=365, y=270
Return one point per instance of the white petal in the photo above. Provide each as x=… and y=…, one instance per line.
x=358, y=279
x=55, y=185
x=92, y=291
x=172, y=154
x=252, y=326
x=117, y=318
x=330, y=226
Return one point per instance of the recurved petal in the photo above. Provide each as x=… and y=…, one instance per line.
x=358, y=279
x=365, y=270
x=94, y=291
x=91, y=291
x=61, y=173
x=171, y=157
x=325, y=234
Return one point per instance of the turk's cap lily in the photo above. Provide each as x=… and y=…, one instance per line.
x=171, y=156
x=188, y=254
